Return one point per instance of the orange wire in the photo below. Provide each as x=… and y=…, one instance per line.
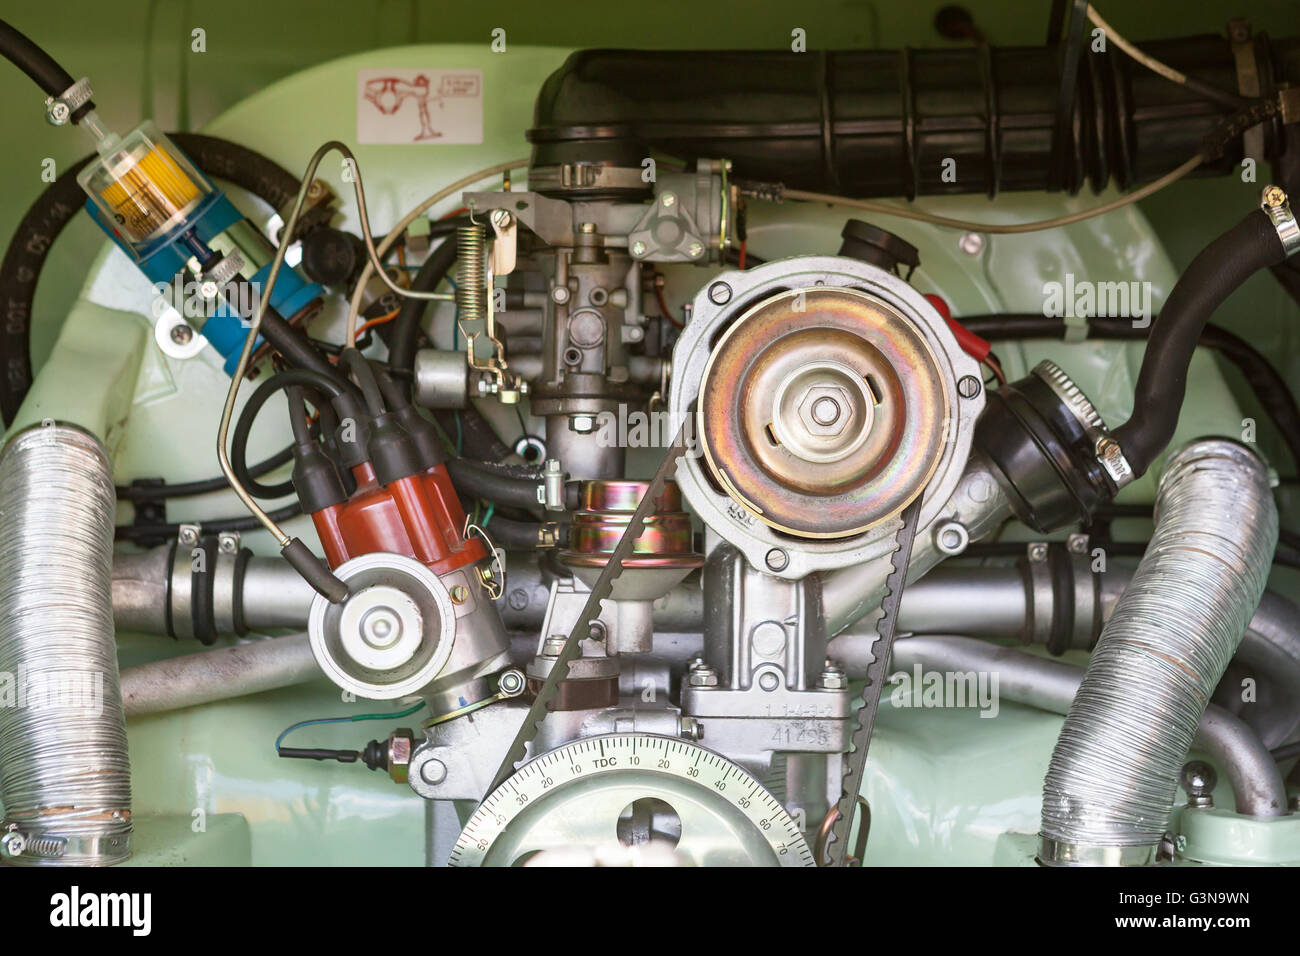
x=379, y=321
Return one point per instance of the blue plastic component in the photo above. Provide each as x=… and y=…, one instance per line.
x=224, y=330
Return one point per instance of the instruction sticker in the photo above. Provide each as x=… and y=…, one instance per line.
x=420, y=106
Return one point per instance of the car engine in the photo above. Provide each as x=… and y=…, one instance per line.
x=624, y=457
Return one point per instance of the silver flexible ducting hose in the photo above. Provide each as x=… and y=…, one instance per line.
x=64, y=775
x=1112, y=778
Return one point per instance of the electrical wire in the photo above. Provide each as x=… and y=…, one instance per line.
x=354, y=718
x=1223, y=97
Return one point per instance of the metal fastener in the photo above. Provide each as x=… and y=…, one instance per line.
x=691, y=729
x=433, y=772
x=968, y=386
x=510, y=682
x=702, y=675
x=971, y=243
x=833, y=677
x=776, y=559
x=951, y=537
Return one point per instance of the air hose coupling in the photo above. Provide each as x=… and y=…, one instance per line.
x=1050, y=449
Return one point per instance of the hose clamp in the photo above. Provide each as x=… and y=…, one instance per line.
x=1274, y=202
x=59, y=109
x=1109, y=454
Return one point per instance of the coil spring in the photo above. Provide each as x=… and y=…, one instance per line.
x=471, y=283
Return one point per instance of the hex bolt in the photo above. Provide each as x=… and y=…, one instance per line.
x=12, y=844
x=971, y=243
x=719, y=293
x=833, y=677
x=587, y=228
x=57, y=113
x=691, y=729
x=582, y=424
x=968, y=386
x=702, y=675
x=596, y=631
x=776, y=559
x=554, y=646
x=510, y=682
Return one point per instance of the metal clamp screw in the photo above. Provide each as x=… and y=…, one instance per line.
x=1273, y=200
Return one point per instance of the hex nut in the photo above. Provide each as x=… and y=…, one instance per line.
x=401, y=744
x=813, y=400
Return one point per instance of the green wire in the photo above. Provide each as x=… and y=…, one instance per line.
x=344, y=720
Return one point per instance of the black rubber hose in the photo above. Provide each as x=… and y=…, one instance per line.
x=1216, y=272
x=189, y=489
x=245, y=522
x=514, y=535
x=60, y=203
x=477, y=480
x=406, y=327
x=43, y=69
x=244, y=426
x=1267, y=384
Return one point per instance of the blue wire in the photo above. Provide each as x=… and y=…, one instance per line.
x=342, y=720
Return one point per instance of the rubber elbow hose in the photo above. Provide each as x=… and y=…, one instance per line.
x=1216, y=272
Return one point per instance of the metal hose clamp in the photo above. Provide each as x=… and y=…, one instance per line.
x=1274, y=202
x=59, y=109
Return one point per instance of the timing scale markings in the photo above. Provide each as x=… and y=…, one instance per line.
x=549, y=775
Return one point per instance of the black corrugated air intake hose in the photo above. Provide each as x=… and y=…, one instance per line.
x=869, y=123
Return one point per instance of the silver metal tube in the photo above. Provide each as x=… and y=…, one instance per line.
x=221, y=674
x=65, y=778
x=1112, y=778
x=979, y=504
x=275, y=595
x=1051, y=685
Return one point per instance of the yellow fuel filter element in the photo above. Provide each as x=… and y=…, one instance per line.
x=144, y=186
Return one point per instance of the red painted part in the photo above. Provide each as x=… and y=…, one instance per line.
x=418, y=516
x=970, y=343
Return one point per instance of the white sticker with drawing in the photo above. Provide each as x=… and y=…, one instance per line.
x=420, y=106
